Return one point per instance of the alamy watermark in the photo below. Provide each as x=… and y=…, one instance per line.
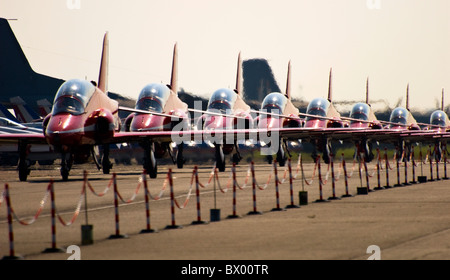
x=226, y=128
x=73, y=4
x=373, y=4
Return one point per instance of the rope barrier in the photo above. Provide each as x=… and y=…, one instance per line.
x=288, y=176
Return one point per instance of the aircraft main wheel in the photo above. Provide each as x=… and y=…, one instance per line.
x=180, y=158
x=220, y=158
x=23, y=171
x=150, y=164
x=281, y=157
x=65, y=173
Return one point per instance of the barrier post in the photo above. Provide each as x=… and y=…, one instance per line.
x=379, y=187
x=431, y=164
x=302, y=195
x=320, y=183
x=398, y=171
x=437, y=162
x=445, y=163
x=117, y=234
x=413, y=163
x=53, y=249
x=345, y=178
x=421, y=178
x=291, y=188
x=12, y=255
x=361, y=189
x=197, y=193
x=214, y=213
x=173, y=225
x=234, y=215
x=277, y=194
x=387, y=169
x=87, y=236
x=148, y=228
x=333, y=183
x=405, y=159
x=367, y=174
x=254, y=212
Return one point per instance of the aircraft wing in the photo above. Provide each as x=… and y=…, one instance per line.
x=30, y=138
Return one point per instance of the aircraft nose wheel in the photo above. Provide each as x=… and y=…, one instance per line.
x=220, y=158
x=150, y=164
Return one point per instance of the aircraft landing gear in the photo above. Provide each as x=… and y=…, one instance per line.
x=66, y=165
x=106, y=163
x=281, y=154
x=236, y=156
x=180, y=158
x=24, y=170
x=150, y=164
x=220, y=158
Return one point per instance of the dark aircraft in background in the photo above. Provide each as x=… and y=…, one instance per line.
x=159, y=108
x=226, y=110
x=277, y=111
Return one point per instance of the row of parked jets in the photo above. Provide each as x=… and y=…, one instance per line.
x=83, y=117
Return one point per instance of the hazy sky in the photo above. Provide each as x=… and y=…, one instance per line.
x=393, y=42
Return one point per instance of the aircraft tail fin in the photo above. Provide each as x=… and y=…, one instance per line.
x=367, y=91
x=45, y=107
x=174, y=75
x=442, y=101
x=288, y=82
x=329, y=85
x=103, y=75
x=7, y=114
x=23, y=112
x=407, y=97
x=238, y=88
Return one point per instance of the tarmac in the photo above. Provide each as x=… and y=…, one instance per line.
x=409, y=222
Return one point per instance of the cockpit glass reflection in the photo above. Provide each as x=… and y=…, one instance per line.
x=222, y=100
x=274, y=103
x=399, y=115
x=72, y=97
x=438, y=118
x=317, y=107
x=153, y=97
x=360, y=112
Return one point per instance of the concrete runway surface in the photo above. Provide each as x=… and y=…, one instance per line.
x=409, y=222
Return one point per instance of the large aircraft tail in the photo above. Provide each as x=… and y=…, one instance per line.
x=103, y=75
x=442, y=101
x=17, y=78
